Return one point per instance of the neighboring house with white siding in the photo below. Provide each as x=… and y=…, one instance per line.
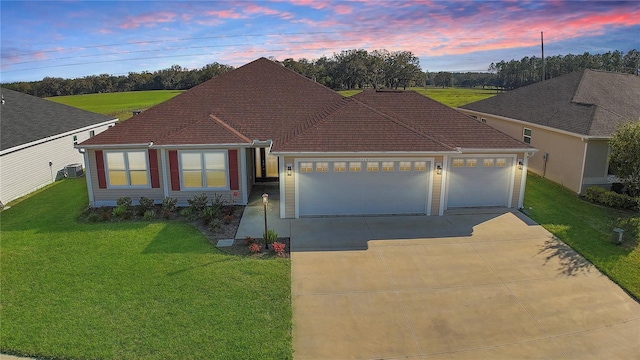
x=37, y=139
x=569, y=119
x=379, y=152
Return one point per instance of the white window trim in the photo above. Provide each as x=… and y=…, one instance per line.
x=524, y=136
x=225, y=153
x=127, y=170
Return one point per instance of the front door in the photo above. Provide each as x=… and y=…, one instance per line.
x=266, y=166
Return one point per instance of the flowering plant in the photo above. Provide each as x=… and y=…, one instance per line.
x=255, y=248
x=278, y=248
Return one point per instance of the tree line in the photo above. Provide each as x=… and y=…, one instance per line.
x=349, y=69
x=517, y=73
x=173, y=78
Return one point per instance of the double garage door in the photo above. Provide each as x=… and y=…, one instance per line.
x=478, y=181
x=365, y=186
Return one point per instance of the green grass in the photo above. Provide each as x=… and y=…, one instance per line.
x=120, y=104
x=153, y=290
x=453, y=97
x=587, y=229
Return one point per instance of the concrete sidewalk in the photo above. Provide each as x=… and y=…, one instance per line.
x=475, y=286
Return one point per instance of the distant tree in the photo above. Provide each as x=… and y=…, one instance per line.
x=443, y=78
x=625, y=156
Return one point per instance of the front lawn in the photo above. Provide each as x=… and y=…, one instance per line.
x=587, y=229
x=155, y=290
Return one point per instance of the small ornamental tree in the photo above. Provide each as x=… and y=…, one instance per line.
x=625, y=155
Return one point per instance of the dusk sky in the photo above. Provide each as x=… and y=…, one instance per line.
x=71, y=39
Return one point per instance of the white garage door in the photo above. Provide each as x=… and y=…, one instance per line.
x=477, y=182
x=354, y=187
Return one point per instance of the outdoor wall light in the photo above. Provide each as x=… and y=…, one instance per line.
x=439, y=169
x=520, y=164
x=289, y=169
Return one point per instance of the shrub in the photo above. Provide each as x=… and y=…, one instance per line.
x=105, y=214
x=168, y=206
x=278, y=248
x=146, y=204
x=120, y=212
x=227, y=218
x=617, y=187
x=270, y=236
x=215, y=225
x=599, y=195
x=594, y=193
x=149, y=215
x=255, y=248
x=93, y=217
x=124, y=201
x=198, y=203
x=218, y=203
x=210, y=214
x=188, y=214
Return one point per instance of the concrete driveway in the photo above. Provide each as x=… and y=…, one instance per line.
x=468, y=286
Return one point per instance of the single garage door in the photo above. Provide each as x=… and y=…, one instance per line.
x=475, y=182
x=357, y=187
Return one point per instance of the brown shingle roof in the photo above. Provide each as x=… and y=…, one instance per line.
x=438, y=121
x=353, y=126
x=265, y=101
x=261, y=100
x=585, y=102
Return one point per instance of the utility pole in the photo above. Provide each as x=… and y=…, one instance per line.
x=542, y=45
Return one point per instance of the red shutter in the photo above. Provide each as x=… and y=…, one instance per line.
x=173, y=169
x=102, y=179
x=153, y=168
x=233, y=170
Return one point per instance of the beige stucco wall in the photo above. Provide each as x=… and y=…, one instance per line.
x=566, y=152
x=596, y=164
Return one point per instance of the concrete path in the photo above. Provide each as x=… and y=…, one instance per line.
x=487, y=286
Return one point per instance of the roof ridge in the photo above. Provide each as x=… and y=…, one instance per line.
x=313, y=120
x=230, y=128
x=402, y=123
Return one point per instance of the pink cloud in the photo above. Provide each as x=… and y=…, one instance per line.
x=225, y=14
x=148, y=19
x=343, y=9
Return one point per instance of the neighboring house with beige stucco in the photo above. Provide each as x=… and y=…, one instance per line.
x=379, y=152
x=569, y=119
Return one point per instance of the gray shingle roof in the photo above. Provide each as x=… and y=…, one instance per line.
x=25, y=118
x=586, y=102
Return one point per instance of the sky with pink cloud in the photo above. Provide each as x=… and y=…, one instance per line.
x=71, y=39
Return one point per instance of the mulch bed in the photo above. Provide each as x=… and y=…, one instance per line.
x=228, y=230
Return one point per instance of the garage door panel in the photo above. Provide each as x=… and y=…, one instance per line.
x=364, y=192
x=479, y=185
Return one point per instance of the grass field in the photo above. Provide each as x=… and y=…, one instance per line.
x=453, y=97
x=130, y=290
x=587, y=229
x=120, y=104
